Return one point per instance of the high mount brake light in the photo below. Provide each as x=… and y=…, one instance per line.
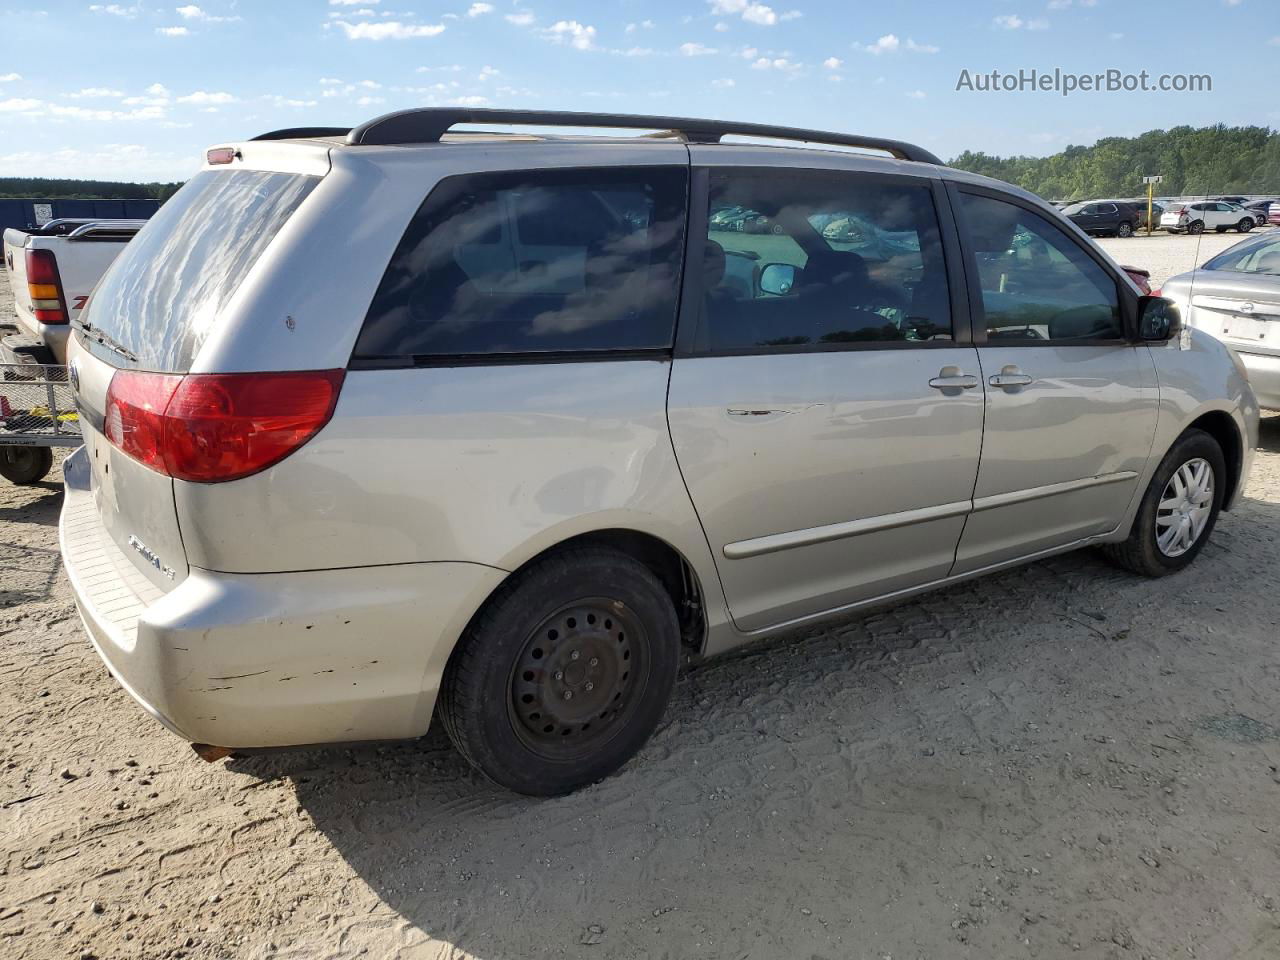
x=221, y=155
x=44, y=284
x=214, y=427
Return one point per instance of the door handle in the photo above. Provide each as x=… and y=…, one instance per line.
x=952, y=377
x=1010, y=376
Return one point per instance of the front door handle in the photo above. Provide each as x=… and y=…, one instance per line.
x=1010, y=376
x=952, y=377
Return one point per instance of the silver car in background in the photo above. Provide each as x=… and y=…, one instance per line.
x=401, y=421
x=1236, y=297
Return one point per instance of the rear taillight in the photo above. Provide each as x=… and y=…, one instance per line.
x=1156, y=292
x=213, y=427
x=45, y=287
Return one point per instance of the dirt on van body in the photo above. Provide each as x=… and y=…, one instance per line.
x=1058, y=761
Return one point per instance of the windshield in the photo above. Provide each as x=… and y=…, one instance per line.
x=161, y=298
x=1260, y=256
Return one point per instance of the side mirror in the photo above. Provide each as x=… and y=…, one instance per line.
x=777, y=279
x=1159, y=319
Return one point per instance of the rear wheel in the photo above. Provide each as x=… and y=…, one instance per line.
x=1124, y=230
x=1179, y=509
x=1245, y=225
x=564, y=675
x=1196, y=227
x=24, y=465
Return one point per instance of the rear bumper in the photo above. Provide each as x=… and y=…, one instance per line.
x=53, y=336
x=264, y=660
x=1264, y=376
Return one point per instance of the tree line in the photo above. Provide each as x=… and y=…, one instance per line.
x=1193, y=161
x=41, y=188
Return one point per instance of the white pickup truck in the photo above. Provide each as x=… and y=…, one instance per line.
x=52, y=269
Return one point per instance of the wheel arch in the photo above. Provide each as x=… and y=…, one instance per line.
x=1222, y=427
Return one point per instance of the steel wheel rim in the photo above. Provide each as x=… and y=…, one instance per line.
x=594, y=650
x=1185, y=507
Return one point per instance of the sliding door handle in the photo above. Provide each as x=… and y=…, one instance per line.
x=952, y=377
x=1010, y=376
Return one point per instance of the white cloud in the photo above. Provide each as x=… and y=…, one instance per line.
x=113, y=161
x=777, y=63
x=575, y=34
x=724, y=83
x=523, y=19
x=916, y=94
x=204, y=98
x=10, y=77
x=192, y=12
x=103, y=116
x=889, y=43
x=1011, y=21
x=353, y=3
x=89, y=93
x=388, y=30
x=158, y=90
x=479, y=9
x=472, y=101
x=921, y=47
x=279, y=101
x=173, y=31
x=642, y=25
x=749, y=10
x=1273, y=42
x=115, y=9
x=367, y=101
x=18, y=105
x=833, y=63
x=696, y=50
x=790, y=15
x=721, y=27
x=330, y=82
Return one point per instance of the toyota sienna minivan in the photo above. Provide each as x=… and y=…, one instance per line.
x=403, y=421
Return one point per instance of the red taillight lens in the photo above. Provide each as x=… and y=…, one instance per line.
x=1156, y=292
x=44, y=284
x=213, y=427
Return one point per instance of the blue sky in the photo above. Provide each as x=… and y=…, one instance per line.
x=136, y=90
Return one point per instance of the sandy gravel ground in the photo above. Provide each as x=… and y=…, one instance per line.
x=1060, y=761
x=1166, y=254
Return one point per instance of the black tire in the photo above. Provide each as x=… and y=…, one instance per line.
x=589, y=622
x=1141, y=553
x=1245, y=225
x=1219, y=229
x=25, y=465
x=1125, y=229
x=1195, y=227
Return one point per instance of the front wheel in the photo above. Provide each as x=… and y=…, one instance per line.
x=1245, y=225
x=564, y=674
x=1124, y=230
x=25, y=465
x=1179, y=509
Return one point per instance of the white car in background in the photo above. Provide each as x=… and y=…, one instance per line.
x=1205, y=215
x=51, y=270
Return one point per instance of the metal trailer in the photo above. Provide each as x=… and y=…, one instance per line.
x=37, y=413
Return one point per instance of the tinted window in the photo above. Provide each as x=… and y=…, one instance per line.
x=814, y=260
x=566, y=260
x=161, y=297
x=1037, y=283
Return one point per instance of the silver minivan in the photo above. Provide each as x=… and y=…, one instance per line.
x=398, y=421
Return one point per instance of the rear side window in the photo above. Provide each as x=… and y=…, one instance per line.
x=161, y=297
x=534, y=262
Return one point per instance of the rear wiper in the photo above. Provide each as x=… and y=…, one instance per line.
x=113, y=345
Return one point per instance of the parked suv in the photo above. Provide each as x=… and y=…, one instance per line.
x=1196, y=217
x=503, y=429
x=1109, y=217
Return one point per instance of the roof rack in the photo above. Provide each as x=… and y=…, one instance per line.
x=429, y=124
x=303, y=133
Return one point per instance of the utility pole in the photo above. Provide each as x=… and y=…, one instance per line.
x=1151, y=197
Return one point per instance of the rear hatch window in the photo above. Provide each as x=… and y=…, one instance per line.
x=160, y=300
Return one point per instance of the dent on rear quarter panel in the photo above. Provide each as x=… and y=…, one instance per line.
x=483, y=464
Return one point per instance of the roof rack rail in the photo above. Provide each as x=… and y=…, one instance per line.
x=303, y=133
x=429, y=124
